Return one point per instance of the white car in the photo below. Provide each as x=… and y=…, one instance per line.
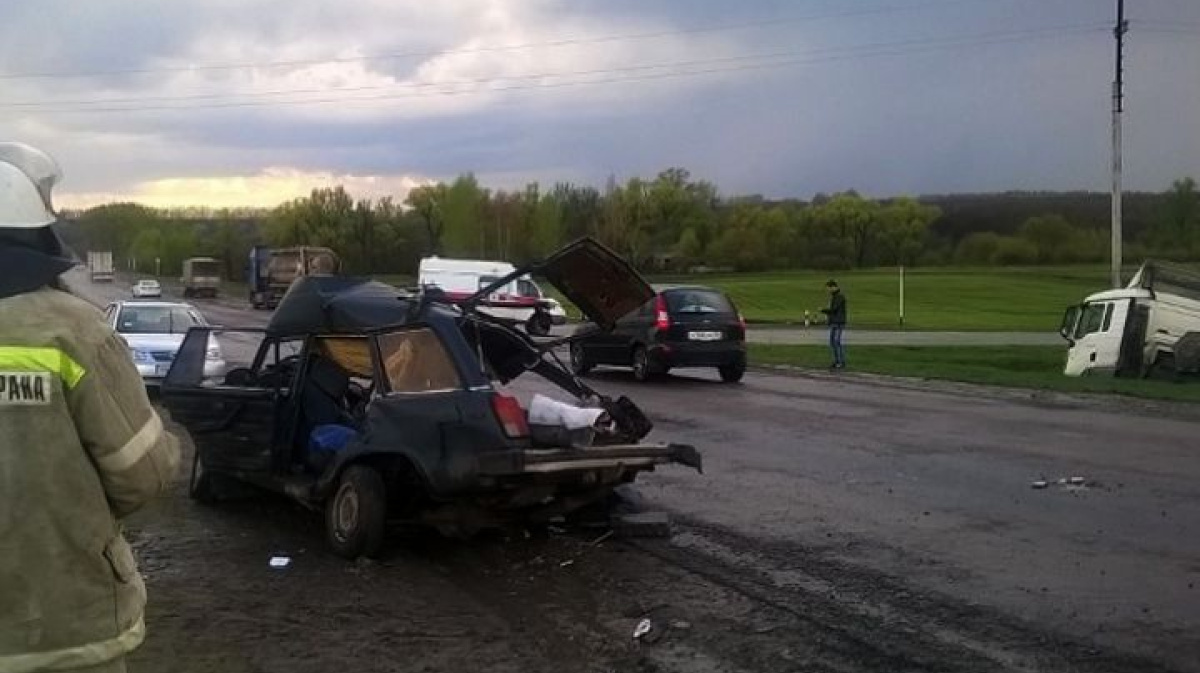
x=154, y=330
x=147, y=288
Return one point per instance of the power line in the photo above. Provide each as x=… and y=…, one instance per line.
x=485, y=49
x=777, y=59
x=864, y=51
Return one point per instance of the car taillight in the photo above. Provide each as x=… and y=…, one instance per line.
x=662, y=319
x=511, y=416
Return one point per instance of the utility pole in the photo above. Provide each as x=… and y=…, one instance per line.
x=1118, y=106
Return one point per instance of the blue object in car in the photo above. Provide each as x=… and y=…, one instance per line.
x=330, y=439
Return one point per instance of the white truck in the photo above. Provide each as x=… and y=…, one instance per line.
x=100, y=266
x=1151, y=327
x=461, y=278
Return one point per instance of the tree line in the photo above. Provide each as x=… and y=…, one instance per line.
x=672, y=222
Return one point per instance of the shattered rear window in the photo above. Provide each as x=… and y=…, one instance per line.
x=415, y=361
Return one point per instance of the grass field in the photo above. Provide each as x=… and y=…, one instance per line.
x=1037, y=367
x=946, y=299
x=1018, y=299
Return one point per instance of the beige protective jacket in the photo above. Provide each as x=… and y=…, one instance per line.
x=80, y=447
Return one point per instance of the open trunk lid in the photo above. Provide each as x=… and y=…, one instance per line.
x=601, y=284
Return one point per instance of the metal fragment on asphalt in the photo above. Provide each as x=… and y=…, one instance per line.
x=643, y=524
x=1039, y=484
x=643, y=627
x=280, y=561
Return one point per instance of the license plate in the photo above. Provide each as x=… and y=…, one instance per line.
x=704, y=336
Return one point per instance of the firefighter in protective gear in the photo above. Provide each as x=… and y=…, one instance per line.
x=80, y=447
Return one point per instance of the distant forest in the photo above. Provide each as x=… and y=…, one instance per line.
x=669, y=223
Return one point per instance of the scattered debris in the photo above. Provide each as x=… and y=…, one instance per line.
x=280, y=561
x=642, y=524
x=642, y=629
x=602, y=538
x=681, y=625
x=568, y=562
x=1075, y=483
x=556, y=530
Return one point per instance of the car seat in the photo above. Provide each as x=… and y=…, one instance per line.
x=322, y=401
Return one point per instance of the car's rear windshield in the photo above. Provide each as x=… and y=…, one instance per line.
x=697, y=301
x=156, y=320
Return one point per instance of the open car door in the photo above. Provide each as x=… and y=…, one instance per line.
x=233, y=426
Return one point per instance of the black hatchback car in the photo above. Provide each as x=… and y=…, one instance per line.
x=378, y=405
x=682, y=326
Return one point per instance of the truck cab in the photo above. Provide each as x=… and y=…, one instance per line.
x=1149, y=328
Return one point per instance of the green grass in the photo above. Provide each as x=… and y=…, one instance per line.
x=1018, y=299
x=944, y=299
x=1037, y=367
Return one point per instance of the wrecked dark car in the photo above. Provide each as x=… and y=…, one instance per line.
x=382, y=406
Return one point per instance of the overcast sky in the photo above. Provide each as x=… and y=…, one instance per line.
x=226, y=102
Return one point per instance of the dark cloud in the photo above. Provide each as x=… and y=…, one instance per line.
x=1027, y=111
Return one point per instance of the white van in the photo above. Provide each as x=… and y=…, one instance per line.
x=461, y=278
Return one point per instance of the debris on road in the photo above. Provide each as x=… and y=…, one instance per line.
x=1075, y=483
x=643, y=628
x=280, y=562
x=568, y=562
x=602, y=538
x=680, y=625
x=642, y=524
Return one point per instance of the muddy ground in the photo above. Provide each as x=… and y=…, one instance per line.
x=843, y=523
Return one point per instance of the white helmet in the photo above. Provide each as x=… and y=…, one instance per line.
x=27, y=175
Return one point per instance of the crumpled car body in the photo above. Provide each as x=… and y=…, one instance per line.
x=379, y=405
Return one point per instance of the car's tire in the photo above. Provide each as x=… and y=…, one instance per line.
x=356, y=513
x=641, y=364
x=579, y=362
x=538, y=325
x=732, y=373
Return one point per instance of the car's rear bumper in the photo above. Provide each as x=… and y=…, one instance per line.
x=699, y=354
x=153, y=374
x=621, y=458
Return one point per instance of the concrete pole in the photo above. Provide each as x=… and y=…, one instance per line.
x=1118, y=94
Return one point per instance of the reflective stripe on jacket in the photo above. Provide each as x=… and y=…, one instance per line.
x=80, y=446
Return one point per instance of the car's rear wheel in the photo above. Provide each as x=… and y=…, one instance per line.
x=579, y=362
x=732, y=373
x=356, y=515
x=641, y=364
x=538, y=324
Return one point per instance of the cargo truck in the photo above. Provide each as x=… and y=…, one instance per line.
x=272, y=270
x=1150, y=328
x=201, y=277
x=100, y=266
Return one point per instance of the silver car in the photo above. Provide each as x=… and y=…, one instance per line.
x=154, y=330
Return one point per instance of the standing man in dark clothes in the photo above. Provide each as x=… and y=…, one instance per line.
x=836, y=317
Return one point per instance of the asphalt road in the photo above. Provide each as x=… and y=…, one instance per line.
x=842, y=524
